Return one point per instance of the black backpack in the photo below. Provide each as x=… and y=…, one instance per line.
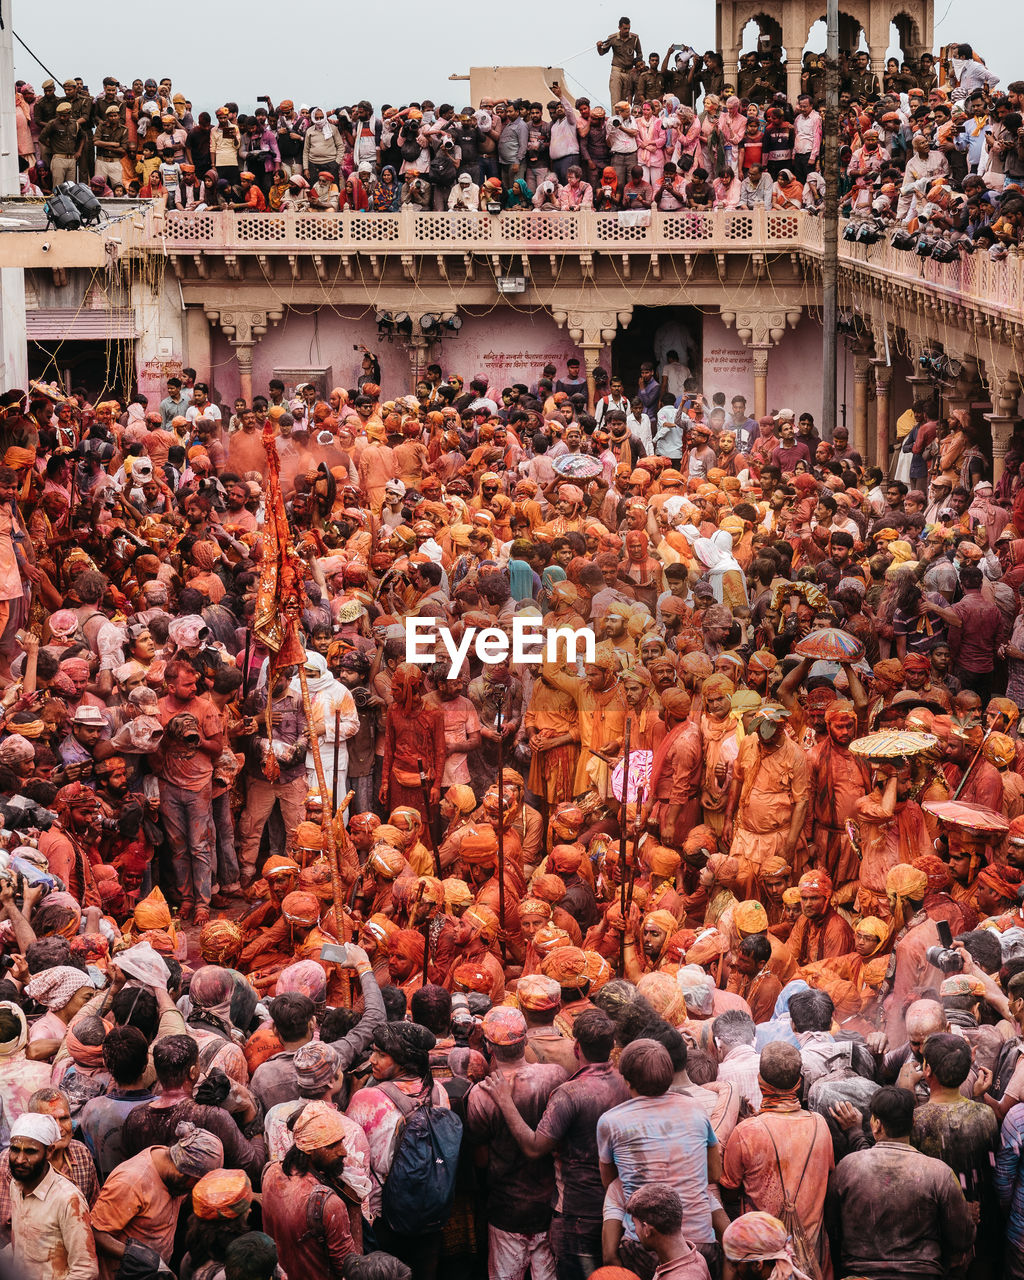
x=442, y=168
x=420, y=1187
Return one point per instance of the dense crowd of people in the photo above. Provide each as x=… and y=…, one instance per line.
x=328, y=949
x=943, y=162
x=701, y=949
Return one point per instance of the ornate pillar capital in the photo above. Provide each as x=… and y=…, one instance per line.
x=243, y=327
x=762, y=328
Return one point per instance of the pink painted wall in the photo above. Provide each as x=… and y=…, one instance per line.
x=506, y=345
x=794, y=366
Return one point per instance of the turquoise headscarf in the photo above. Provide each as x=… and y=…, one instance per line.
x=521, y=580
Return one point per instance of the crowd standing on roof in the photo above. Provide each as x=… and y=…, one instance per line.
x=695, y=953
x=936, y=149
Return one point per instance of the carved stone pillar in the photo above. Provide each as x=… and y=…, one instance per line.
x=419, y=350
x=1004, y=391
x=760, y=354
x=243, y=328
x=883, y=383
x=861, y=375
x=760, y=331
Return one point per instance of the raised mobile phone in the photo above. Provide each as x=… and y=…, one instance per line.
x=335, y=954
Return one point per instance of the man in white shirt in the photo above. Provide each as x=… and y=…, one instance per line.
x=970, y=74
x=479, y=388
x=807, y=140
x=465, y=194
x=673, y=376
x=51, y=1236
x=615, y=399
x=202, y=406
x=923, y=167
x=639, y=425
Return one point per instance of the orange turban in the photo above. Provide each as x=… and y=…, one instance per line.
x=937, y=872
x=816, y=882
x=548, y=887
x=482, y=920
x=991, y=879
x=152, y=912
x=319, y=1125
x=408, y=944
x=663, y=920
x=300, y=908
x=567, y=966
x=750, y=917
x=386, y=862
x=222, y=1193
x=534, y=907
x=662, y=993
x=717, y=686
x=470, y=977
x=723, y=867
x=538, y=993
x=565, y=858
x=599, y=971
x=662, y=861
x=709, y=945
x=548, y=937
x=309, y=835
x=906, y=881
x=479, y=846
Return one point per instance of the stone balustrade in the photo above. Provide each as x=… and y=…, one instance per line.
x=996, y=287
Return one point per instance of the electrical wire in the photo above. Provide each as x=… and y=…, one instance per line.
x=34, y=56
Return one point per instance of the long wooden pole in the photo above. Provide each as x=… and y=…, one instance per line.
x=622, y=843
x=501, y=823
x=337, y=744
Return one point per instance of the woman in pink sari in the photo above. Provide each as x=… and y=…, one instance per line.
x=687, y=136
x=650, y=144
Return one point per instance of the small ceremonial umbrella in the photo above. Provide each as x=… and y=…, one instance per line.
x=830, y=645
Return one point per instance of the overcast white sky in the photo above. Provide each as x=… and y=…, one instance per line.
x=338, y=51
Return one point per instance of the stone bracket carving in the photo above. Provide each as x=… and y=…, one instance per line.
x=243, y=327
x=762, y=328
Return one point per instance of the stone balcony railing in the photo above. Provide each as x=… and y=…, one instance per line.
x=414, y=231
x=996, y=287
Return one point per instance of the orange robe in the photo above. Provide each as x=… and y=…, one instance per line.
x=772, y=785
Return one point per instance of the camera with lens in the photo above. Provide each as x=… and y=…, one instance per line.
x=361, y=697
x=947, y=959
x=616, y=122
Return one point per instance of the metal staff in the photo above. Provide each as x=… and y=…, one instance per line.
x=636, y=834
x=622, y=843
x=501, y=820
x=245, y=668
x=334, y=780
x=426, y=935
x=431, y=829
x=970, y=768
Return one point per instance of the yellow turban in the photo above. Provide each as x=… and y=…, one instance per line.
x=750, y=917
x=905, y=881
